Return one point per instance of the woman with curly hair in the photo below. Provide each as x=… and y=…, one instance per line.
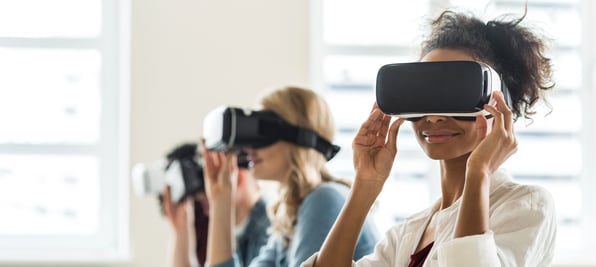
x=483, y=218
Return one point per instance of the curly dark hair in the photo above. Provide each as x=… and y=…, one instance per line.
x=514, y=51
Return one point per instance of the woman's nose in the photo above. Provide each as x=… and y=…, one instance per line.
x=434, y=118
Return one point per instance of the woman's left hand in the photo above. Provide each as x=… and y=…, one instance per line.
x=499, y=144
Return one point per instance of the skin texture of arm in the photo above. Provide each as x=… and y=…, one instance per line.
x=374, y=150
x=220, y=170
x=496, y=147
x=179, y=219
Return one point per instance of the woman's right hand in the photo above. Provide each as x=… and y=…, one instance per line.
x=375, y=148
x=374, y=151
x=220, y=171
x=180, y=215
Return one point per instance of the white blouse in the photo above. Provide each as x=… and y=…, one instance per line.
x=522, y=232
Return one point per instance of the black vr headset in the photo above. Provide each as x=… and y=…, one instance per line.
x=447, y=88
x=226, y=128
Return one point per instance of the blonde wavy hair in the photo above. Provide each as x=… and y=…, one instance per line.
x=304, y=108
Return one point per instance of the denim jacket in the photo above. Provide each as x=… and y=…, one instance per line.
x=316, y=216
x=254, y=235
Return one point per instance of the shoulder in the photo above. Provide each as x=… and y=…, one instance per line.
x=327, y=192
x=511, y=200
x=328, y=197
x=523, y=195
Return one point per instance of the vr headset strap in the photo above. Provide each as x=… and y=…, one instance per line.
x=308, y=138
x=302, y=137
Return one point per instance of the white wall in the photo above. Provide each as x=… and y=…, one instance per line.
x=189, y=56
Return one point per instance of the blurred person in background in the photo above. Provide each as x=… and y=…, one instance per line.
x=190, y=218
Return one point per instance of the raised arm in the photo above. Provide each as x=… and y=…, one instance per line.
x=374, y=151
x=180, y=219
x=472, y=230
x=495, y=147
x=220, y=173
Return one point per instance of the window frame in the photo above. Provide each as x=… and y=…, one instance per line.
x=111, y=242
x=588, y=176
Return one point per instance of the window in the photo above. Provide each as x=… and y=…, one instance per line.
x=63, y=124
x=352, y=39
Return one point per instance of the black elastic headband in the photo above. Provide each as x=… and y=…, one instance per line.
x=304, y=137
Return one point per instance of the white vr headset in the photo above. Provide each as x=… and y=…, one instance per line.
x=457, y=89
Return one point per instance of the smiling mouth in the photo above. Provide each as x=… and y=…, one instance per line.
x=439, y=138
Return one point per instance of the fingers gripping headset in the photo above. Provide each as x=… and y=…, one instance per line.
x=459, y=89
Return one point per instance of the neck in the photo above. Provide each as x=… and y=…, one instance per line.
x=453, y=177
